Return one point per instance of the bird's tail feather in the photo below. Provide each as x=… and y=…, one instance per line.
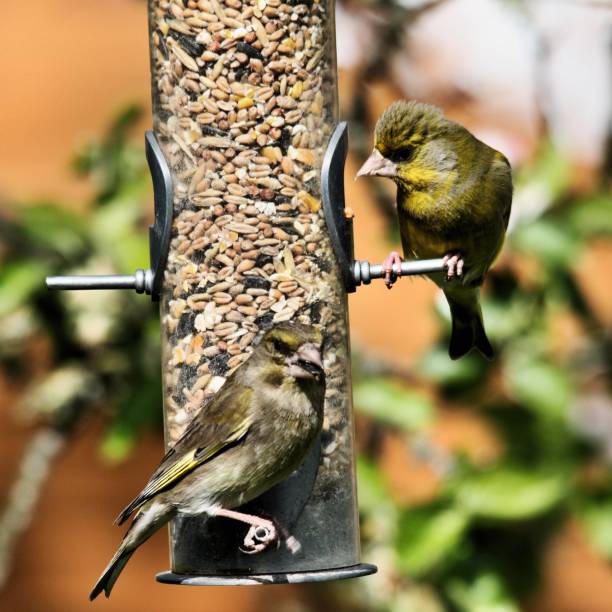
x=468, y=330
x=148, y=520
x=111, y=573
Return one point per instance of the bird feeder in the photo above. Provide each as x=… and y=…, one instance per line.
x=247, y=160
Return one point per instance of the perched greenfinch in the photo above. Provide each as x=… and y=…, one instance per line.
x=250, y=436
x=453, y=199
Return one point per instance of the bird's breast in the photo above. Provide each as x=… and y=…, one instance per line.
x=434, y=224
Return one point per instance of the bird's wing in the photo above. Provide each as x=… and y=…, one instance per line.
x=504, y=186
x=219, y=424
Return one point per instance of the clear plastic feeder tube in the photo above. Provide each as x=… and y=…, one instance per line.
x=244, y=102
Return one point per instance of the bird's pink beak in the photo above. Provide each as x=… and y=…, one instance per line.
x=310, y=353
x=377, y=165
x=306, y=362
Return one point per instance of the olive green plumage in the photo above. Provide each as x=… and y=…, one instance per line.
x=250, y=436
x=454, y=195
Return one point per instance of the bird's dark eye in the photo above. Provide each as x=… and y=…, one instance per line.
x=403, y=154
x=278, y=346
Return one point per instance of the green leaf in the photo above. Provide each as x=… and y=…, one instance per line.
x=549, y=170
x=439, y=368
x=117, y=444
x=117, y=230
x=18, y=282
x=125, y=120
x=51, y=226
x=506, y=318
x=392, y=404
x=140, y=408
x=487, y=593
x=371, y=488
x=592, y=217
x=539, y=385
x=597, y=519
x=550, y=241
x=114, y=162
x=427, y=537
x=509, y=494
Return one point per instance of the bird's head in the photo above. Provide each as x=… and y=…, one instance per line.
x=295, y=348
x=403, y=140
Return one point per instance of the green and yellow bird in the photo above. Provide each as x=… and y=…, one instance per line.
x=454, y=195
x=250, y=436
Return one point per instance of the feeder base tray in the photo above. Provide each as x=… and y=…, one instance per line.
x=341, y=573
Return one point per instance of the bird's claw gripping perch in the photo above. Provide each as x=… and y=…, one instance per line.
x=391, y=275
x=266, y=534
x=262, y=534
x=259, y=538
x=454, y=265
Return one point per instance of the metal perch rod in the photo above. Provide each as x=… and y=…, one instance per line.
x=364, y=272
x=139, y=281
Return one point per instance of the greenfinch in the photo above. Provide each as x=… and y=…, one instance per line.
x=454, y=195
x=250, y=436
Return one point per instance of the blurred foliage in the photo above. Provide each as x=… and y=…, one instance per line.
x=479, y=539
x=475, y=545
x=390, y=403
x=97, y=350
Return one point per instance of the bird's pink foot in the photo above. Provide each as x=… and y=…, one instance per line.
x=392, y=266
x=454, y=265
x=261, y=535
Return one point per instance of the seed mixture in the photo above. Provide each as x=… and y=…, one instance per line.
x=244, y=103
